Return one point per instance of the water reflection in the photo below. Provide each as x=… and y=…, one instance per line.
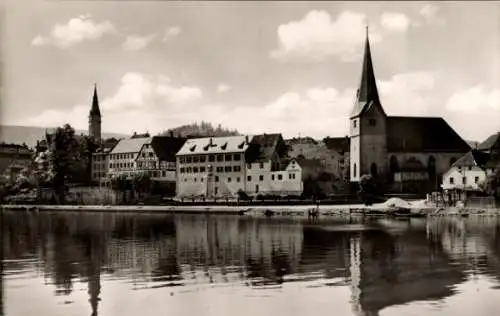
x=382, y=264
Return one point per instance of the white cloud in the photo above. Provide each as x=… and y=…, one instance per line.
x=395, y=21
x=474, y=99
x=221, y=88
x=75, y=31
x=316, y=36
x=135, y=43
x=408, y=93
x=429, y=13
x=171, y=32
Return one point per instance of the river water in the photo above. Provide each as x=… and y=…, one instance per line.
x=122, y=264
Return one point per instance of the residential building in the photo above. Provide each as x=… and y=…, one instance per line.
x=157, y=158
x=221, y=166
x=122, y=158
x=100, y=160
x=14, y=158
x=382, y=144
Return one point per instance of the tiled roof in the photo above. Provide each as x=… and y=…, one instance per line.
x=472, y=158
x=423, y=134
x=490, y=142
x=215, y=145
x=262, y=147
x=166, y=147
x=131, y=145
x=339, y=144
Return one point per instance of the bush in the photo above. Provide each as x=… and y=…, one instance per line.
x=367, y=189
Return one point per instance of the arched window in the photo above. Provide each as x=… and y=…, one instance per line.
x=373, y=170
x=452, y=161
x=393, y=165
x=354, y=170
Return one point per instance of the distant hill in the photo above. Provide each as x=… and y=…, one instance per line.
x=203, y=129
x=30, y=134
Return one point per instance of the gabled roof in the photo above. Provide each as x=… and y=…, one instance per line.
x=262, y=147
x=166, y=147
x=131, y=145
x=215, y=145
x=471, y=159
x=423, y=134
x=367, y=94
x=490, y=142
x=339, y=144
x=94, y=110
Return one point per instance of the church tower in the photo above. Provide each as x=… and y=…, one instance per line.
x=368, y=126
x=95, y=118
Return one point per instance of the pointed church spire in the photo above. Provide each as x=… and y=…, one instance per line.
x=367, y=92
x=94, y=110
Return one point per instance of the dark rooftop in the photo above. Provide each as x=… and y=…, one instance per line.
x=472, y=158
x=490, y=142
x=166, y=147
x=339, y=144
x=263, y=146
x=423, y=134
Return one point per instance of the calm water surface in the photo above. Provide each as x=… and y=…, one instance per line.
x=196, y=265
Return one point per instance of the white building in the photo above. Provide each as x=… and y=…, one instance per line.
x=468, y=172
x=122, y=159
x=222, y=166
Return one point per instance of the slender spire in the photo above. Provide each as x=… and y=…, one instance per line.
x=367, y=92
x=94, y=110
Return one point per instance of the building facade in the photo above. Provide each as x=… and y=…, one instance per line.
x=222, y=166
x=157, y=158
x=383, y=145
x=123, y=157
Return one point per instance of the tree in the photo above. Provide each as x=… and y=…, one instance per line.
x=367, y=189
x=491, y=185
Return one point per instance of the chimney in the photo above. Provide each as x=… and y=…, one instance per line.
x=211, y=141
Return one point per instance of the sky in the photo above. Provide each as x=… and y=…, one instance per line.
x=287, y=67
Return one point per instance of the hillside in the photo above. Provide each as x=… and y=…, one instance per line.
x=30, y=134
x=202, y=129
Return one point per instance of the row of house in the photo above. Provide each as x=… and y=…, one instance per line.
x=207, y=167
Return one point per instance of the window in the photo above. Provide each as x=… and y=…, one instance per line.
x=272, y=177
x=237, y=157
x=290, y=176
x=452, y=180
x=182, y=160
x=354, y=170
x=249, y=178
x=188, y=159
x=237, y=179
x=195, y=169
x=189, y=170
x=150, y=154
x=216, y=178
x=220, y=157
x=228, y=169
x=196, y=159
x=164, y=174
x=249, y=166
x=229, y=179
x=261, y=178
x=211, y=158
x=470, y=168
x=476, y=179
x=464, y=180
x=228, y=157
x=203, y=158
x=236, y=168
x=280, y=177
x=202, y=169
x=194, y=179
x=201, y=179
x=220, y=169
x=354, y=123
x=372, y=122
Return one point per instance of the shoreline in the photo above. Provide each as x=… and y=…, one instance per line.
x=292, y=210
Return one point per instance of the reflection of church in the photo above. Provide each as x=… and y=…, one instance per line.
x=408, y=153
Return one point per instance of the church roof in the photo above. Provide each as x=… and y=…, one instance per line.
x=94, y=110
x=367, y=94
x=423, y=134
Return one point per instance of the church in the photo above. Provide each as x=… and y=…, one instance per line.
x=407, y=154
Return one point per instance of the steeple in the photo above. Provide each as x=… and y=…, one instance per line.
x=94, y=110
x=367, y=93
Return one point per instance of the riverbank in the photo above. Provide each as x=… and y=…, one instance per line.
x=418, y=208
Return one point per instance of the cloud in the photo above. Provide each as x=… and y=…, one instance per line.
x=395, y=21
x=474, y=99
x=221, y=88
x=75, y=31
x=408, y=93
x=317, y=36
x=429, y=13
x=171, y=32
x=135, y=43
